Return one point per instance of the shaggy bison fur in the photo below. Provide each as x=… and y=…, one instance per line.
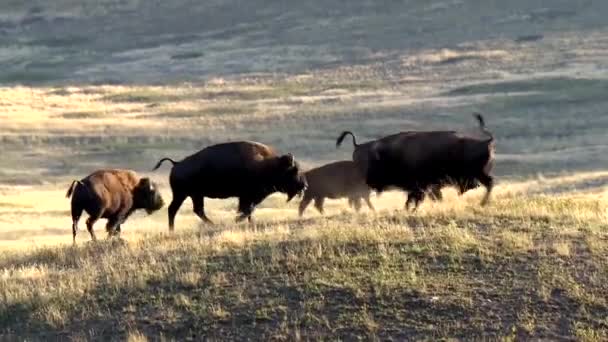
x=248, y=170
x=114, y=195
x=361, y=159
x=414, y=161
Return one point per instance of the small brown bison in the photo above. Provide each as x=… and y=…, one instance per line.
x=340, y=179
x=360, y=158
x=414, y=161
x=248, y=170
x=112, y=194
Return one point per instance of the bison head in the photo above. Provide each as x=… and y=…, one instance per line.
x=290, y=179
x=146, y=196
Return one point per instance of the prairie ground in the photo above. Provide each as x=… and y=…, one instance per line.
x=528, y=266
x=532, y=265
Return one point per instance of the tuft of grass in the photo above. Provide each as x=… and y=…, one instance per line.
x=585, y=333
x=136, y=336
x=516, y=241
x=561, y=248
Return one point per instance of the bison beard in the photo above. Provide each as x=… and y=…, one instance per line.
x=416, y=161
x=113, y=195
x=247, y=170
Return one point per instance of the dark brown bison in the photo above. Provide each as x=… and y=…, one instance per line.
x=414, y=161
x=360, y=158
x=248, y=170
x=340, y=179
x=114, y=195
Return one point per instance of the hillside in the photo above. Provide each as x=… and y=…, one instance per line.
x=528, y=267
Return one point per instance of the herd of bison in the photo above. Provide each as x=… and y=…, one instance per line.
x=417, y=162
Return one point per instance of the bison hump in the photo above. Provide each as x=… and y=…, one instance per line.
x=225, y=159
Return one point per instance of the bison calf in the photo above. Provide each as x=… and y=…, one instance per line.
x=335, y=180
x=113, y=195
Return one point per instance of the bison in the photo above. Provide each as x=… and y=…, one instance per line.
x=360, y=158
x=248, y=170
x=340, y=179
x=414, y=161
x=112, y=194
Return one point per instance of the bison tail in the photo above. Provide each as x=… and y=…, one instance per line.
x=72, y=188
x=163, y=160
x=482, y=125
x=343, y=135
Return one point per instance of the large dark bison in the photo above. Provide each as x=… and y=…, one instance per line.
x=341, y=179
x=114, y=195
x=414, y=161
x=248, y=170
x=361, y=156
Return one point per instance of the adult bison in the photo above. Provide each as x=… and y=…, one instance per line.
x=247, y=170
x=112, y=194
x=361, y=158
x=341, y=179
x=414, y=161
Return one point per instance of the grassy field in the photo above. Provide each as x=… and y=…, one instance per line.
x=531, y=265
x=528, y=266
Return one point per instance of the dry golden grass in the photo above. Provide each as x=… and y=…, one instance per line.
x=523, y=267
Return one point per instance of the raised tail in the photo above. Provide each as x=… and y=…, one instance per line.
x=163, y=160
x=482, y=125
x=343, y=135
x=72, y=188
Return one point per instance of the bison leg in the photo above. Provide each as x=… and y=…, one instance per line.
x=435, y=193
x=410, y=199
x=488, y=182
x=319, y=204
x=90, y=222
x=246, y=207
x=369, y=202
x=177, y=201
x=419, y=199
x=76, y=214
x=111, y=226
x=198, y=206
x=116, y=222
x=304, y=204
x=357, y=203
x=415, y=197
